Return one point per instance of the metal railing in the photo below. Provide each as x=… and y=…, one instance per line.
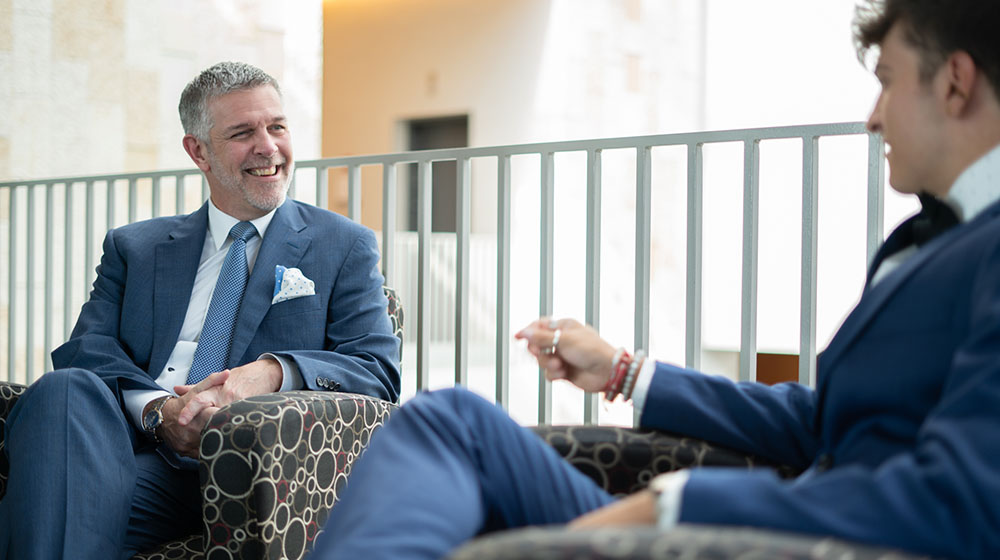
x=44, y=243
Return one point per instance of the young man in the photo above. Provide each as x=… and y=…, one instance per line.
x=184, y=318
x=898, y=441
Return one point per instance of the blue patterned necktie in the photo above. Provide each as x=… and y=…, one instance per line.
x=212, y=352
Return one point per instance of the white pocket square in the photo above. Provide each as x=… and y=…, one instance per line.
x=290, y=283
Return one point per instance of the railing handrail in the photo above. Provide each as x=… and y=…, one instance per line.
x=613, y=143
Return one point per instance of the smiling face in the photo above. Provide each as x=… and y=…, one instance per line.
x=909, y=115
x=248, y=157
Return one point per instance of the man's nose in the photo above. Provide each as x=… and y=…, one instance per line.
x=874, y=122
x=264, y=144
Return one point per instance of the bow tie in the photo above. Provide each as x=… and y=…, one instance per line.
x=935, y=218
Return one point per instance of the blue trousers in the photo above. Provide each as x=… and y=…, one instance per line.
x=83, y=482
x=448, y=466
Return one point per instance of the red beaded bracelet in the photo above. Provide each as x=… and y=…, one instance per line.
x=620, y=366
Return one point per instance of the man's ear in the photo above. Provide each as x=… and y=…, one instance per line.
x=962, y=74
x=198, y=151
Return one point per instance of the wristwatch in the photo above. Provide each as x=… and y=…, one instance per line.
x=154, y=418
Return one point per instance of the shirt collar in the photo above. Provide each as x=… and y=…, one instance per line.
x=976, y=187
x=219, y=224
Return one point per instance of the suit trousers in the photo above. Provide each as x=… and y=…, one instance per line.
x=447, y=466
x=83, y=482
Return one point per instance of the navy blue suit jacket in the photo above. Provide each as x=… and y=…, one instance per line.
x=341, y=335
x=900, y=440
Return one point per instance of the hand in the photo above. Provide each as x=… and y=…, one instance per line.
x=185, y=438
x=637, y=509
x=582, y=357
x=256, y=378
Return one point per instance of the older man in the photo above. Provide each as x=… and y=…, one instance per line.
x=898, y=442
x=250, y=294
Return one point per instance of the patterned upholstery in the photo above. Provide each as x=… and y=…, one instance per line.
x=686, y=542
x=622, y=461
x=9, y=392
x=395, y=310
x=271, y=467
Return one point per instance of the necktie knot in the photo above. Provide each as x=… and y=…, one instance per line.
x=243, y=231
x=935, y=218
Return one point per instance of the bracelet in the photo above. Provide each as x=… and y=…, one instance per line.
x=619, y=367
x=633, y=373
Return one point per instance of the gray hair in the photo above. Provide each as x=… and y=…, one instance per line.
x=220, y=79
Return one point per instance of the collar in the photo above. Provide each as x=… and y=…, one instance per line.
x=219, y=224
x=976, y=187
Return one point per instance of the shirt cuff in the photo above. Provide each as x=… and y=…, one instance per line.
x=291, y=379
x=668, y=504
x=642, y=382
x=136, y=400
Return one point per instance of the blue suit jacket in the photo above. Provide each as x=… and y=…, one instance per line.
x=901, y=436
x=340, y=338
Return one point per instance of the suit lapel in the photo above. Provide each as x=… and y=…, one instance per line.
x=284, y=243
x=875, y=297
x=899, y=239
x=176, y=265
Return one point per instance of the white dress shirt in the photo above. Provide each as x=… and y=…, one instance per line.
x=975, y=189
x=213, y=255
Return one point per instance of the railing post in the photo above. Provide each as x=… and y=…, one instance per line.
x=354, y=193
x=424, y=216
x=810, y=228
x=88, y=238
x=695, y=218
x=463, y=227
x=592, y=275
x=68, y=262
x=546, y=253
x=751, y=213
x=503, y=283
x=12, y=287
x=876, y=195
x=29, y=308
x=49, y=272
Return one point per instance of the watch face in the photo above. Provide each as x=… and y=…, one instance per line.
x=151, y=420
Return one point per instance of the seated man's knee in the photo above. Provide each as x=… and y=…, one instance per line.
x=455, y=403
x=65, y=390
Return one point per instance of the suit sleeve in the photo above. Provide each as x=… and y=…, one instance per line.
x=361, y=353
x=95, y=343
x=938, y=496
x=776, y=422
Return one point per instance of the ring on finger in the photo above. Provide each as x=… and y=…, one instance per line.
x=551, y=349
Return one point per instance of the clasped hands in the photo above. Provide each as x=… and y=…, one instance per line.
x=185, y=416
x=583, y=358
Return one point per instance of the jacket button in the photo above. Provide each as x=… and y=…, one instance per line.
x=824, y=462
x=336, y=386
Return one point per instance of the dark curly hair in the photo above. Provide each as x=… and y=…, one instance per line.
x=936, y=28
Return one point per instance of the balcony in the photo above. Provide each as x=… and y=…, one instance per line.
x=571, y=228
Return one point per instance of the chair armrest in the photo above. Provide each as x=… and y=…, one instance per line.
x=272, y=466
x=623, y=460
x=9, y=393
x=685, y=541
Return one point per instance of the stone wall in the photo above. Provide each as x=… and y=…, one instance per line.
x=91, y=86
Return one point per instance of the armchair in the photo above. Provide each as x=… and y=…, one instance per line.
x=271, y=467
x=622, y=461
